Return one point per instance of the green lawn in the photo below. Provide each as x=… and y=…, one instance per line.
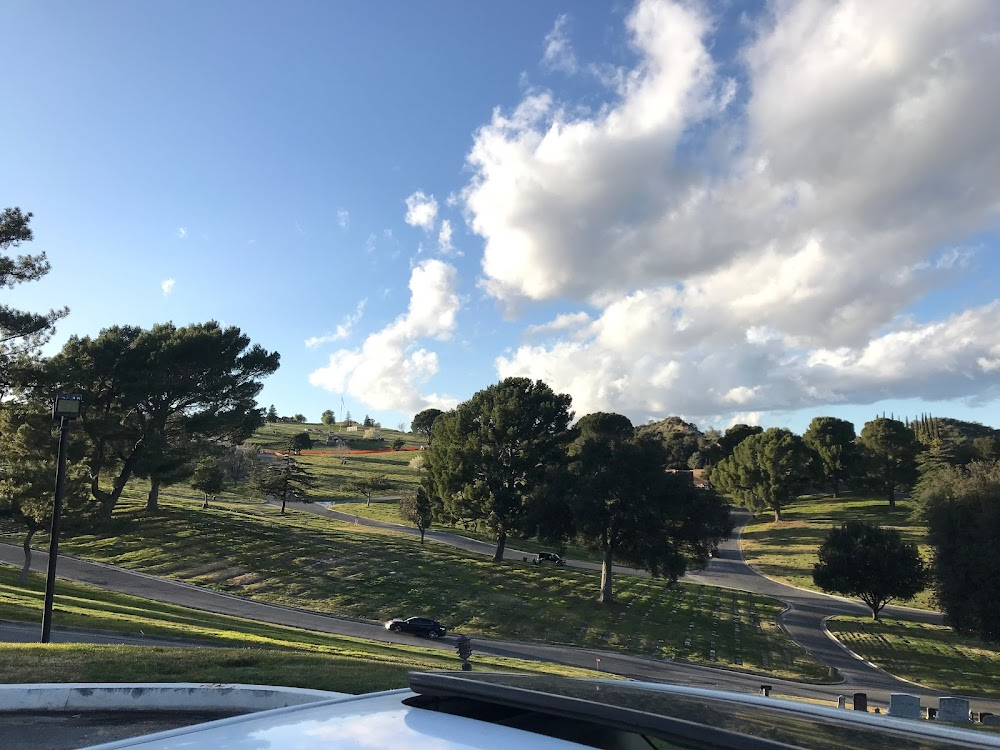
x=389, y=511
x=89, y=663
x=309, y=561
x=273, y=436
x=332, y=474
x=787, y=550
x=932, y=655
x=82, y=606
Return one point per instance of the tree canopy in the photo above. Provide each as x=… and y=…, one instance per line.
x=300, y=441
x=832, y=440
x=284, y=479
x=370, y=485
x=328, y=418
x=27, y=474
x=627, y=506
x=418, y=510
x=870, y=562
x=423, y=422
x=961, y=506
x=141, y=387
x=766, y=470
x=889, y=457
x=734, y=436
x=493, y=456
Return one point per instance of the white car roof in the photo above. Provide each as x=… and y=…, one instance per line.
x=378, y=720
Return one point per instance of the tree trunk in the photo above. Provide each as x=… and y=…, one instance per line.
x=153, y=498
x=282, y=505
x=501, y=543
x=369, y=503
x=777, y=515
x=204, y=505
x=892, y=497
x=421, y=534
x=607, y=592
x=23, y=578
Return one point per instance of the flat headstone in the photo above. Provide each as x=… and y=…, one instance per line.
x=993, y=720
x=904, y=706
x=954, y=710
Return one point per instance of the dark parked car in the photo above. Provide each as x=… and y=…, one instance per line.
x=417, y=626
x=551, y=557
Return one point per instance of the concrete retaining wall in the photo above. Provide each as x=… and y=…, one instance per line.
x=154, y=696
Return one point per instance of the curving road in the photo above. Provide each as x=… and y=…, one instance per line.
x=802, y=622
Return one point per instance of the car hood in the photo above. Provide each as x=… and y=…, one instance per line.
x=360, y=723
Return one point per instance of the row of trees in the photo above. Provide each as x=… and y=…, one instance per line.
x=508, y=458
x=766, y=469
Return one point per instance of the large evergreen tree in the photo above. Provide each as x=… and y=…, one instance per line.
x=872, y=563
x=961, y=506
x=888, y=451
x=141, y=387
x=423, y=422
x=21, y=332
x=628, y=507
x=284, y=479
x=493, y=456
x=832, y=440
x=766, y=470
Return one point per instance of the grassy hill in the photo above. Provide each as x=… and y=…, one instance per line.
x=312, y=562
x=259, y=653
x=788, y=550
x=273, y=437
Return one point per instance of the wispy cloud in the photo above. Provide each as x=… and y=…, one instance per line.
x=371, y=242
x=343, y=218
x=558, y=49
x=421, y=210
x=182, y=233
x=444, y=238
x=343, y=329
x=167, y=285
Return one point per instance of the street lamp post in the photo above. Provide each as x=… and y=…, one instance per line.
x=65, y=408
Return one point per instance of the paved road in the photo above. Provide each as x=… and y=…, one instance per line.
x=801, y=622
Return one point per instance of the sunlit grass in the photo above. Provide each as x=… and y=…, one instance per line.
x=932, y=655
x=788, y=550
x=309, y=561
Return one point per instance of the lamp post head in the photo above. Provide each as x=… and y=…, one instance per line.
x=67, y=406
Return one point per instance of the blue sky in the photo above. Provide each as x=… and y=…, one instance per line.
x=729, y=212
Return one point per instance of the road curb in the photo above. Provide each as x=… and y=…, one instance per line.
x=155, y=696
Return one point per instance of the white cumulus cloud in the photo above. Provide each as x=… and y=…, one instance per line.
x=389, y=370
x=343, y=218
x=167, y=286
x=754, y=248
x=182, y=233
x=421, y=210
